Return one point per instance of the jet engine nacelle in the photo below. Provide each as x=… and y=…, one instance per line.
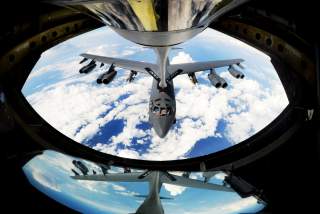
x=216, y=80
x=241, y=66
x=132, y=75
x=81, y=166
x=104, y=168
x=88, y=68
x=193, y=78
x=126, y=170
x=242, y=187
x=107, y=77
x=186, y=174
x=82, y=61
x=235, y=73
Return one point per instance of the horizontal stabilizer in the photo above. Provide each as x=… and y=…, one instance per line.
x=145, y=196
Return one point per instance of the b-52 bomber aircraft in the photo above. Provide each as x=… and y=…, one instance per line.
x=162, y=105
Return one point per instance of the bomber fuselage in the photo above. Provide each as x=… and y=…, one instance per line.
x=162, y=108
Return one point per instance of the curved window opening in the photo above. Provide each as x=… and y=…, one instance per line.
x=114, y=118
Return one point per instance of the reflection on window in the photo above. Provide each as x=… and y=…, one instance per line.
x=54, y=174
x=156, y=15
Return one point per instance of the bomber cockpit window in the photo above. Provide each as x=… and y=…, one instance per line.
x=161, y=111
x=165, y=111
x=156, y=110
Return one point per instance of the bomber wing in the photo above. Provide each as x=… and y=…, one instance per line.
x=187, y=68
x=122, y=63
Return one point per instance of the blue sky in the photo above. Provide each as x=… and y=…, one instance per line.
x=114, y=118
x=50, y=173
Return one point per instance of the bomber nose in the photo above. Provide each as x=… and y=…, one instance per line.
x=162, y=126
x=162, y=131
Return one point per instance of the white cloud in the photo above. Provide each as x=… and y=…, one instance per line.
x=112, y=207
x=76, y=107
x=57, y=160
x=181, y=57
x=228, y=208
x=174, y=190
x=123, y=191
x=44, y=180
x=93, y=186
x=128, y=153
x=220, y=176
x=63, y=164
x=54, y=162
x=118, y=187
x=64, y=68
x=262, y=108
x=196, y=175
